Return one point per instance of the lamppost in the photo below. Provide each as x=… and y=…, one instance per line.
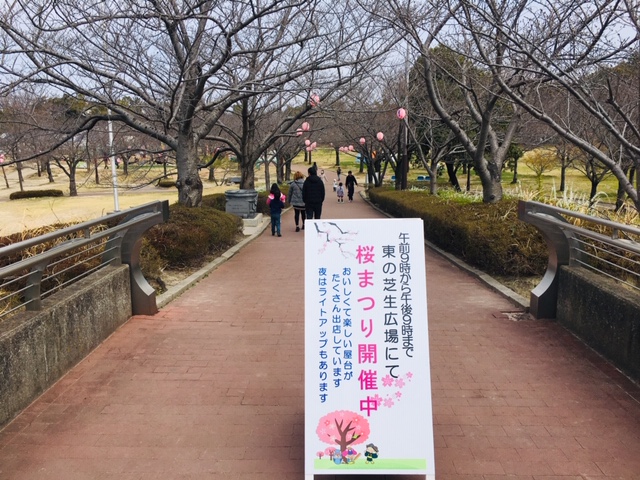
x=403, y=161
x=114, y=173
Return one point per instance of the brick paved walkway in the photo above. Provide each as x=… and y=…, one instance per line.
x=212, y=386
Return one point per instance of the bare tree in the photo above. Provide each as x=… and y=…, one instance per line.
x=23, y=115
x=572, y=46
x=453, y=53
x=181, y=65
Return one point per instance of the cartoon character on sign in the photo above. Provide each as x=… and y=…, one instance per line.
x=371, y=453
x=344, y=429
x=350, y=455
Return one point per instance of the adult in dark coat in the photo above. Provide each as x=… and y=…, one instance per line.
x=313, y=194
x=350, y=183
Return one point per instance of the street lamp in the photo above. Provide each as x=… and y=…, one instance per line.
x=114, y=173
x=402, y=148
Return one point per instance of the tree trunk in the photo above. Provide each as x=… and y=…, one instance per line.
x=287, y=169
x=49, y=172
x=337, y=149
x=267, y=175
x=247, y=175
x=490, y=176
x=73, y=187
x=563, y=177
x=20, y=177
x=6, y=181
x=279, y=171
x=453, y=178
x=594, y=190
x=515, y=172
x=620, y=197
x=189, y=183
x=96, y=170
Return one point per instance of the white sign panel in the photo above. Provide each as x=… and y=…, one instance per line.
x=367, y=376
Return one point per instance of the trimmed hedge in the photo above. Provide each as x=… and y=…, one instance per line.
x=214, y=200
x=36, y=194
x=191, y=234
x=166, y=183
x=488, y=236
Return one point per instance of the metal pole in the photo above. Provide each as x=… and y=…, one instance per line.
x=114, y=174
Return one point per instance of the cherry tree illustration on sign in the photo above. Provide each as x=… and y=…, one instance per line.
x=344, y=429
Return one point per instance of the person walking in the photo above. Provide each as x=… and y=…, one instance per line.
x=350, y=183
x=296, y=201
x=313, y=194
x=276, y=200
x=340, y=192
x=339, y=171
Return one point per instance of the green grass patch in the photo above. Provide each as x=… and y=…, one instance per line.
x=378, y=464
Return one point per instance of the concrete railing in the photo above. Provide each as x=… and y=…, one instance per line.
x=40, y=266
x=608, y=248
x=592, y=283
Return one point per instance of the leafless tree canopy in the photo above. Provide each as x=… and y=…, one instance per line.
x=170, y=69
x=179, y=71
x=521, y=51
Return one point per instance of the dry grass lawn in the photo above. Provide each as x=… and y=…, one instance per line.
x=93, y=200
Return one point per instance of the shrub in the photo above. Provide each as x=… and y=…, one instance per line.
x=152, y=264
x=214, y=200
x=36, y=194
x=487, y=236
x=191, y=234
x=166, y=183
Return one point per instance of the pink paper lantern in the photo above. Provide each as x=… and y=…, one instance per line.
x=401, y=113
x=306, y=127
x=1, y=157
x=307, y=142
x=298, y=132
x=315, y=100
x=351, y=148
x=380, y=136
x=314, y=145
x=362, y=141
